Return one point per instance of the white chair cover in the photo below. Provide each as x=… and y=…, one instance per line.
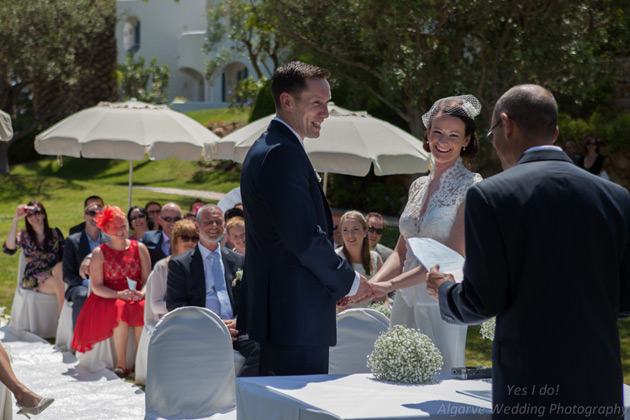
x=357, y=330
x=191, y=366
x=65, y=331
x=147, y=330
x=32, y=311
x=103, y=354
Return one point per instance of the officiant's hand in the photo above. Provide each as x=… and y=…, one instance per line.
x=363, y=292
x=435, y=280
x=231, y=325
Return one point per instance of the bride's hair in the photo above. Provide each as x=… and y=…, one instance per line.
x=464, y=107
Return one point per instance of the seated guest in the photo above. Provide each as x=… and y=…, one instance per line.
x=77, y=253
x=42, y=248
x=185, y=237
x=153, y=209
x=356, y=250
x=93, y=199
x=139, y=222
x=209, y=276
x=190, y=216
x=158, y=242
x=376, y=227
x=229, y=214
x=196, y=205
x=115, y=304
x=235, y=230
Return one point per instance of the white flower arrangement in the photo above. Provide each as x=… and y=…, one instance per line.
x=487, y=329
x=404, y=355
x=385, y=310
x=238, y=275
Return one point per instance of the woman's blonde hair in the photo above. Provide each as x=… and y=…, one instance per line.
x=366, y=260
x=233, y=222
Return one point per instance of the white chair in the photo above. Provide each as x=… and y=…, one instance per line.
x=147, y=331
x=103, y=354
x=65, y=330
x=357, y=330
x=32, y=311
x=191, y=367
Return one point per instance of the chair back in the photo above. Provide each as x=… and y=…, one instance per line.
x=149, y=316
x=357, y=330
x=190, y=369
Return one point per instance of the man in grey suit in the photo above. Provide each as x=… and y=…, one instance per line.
x=548, y=254
x=208, y=276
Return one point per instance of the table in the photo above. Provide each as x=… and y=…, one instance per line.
x=356, y=397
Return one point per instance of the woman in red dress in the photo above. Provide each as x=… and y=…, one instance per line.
x=114, y=305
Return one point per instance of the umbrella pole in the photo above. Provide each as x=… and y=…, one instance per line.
x=130, y=181
x=325, y=182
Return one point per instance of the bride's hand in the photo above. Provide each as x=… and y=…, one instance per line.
x=381, y=288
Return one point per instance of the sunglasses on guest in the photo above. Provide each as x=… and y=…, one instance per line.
x=171, y=219
x=186, y=238
x=92, y=213
x=372, y=229
x=138, y=216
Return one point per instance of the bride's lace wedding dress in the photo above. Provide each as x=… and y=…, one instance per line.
x=413, y=307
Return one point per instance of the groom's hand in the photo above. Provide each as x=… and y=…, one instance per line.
x=435, y=280
x=363, y=292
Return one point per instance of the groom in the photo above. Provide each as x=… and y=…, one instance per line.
x=292, y=274
x=548, y=254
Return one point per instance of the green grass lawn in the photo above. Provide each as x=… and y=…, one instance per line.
x=226, y=115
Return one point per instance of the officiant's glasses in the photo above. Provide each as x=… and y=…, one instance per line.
x=490, y=134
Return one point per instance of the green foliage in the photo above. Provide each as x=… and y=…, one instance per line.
x=612, y=128
x=263, y=105
x=367, y=194
x=236, y=32
x=407, y=54
x=227, y=115
x=146, y=84
x=246, y=91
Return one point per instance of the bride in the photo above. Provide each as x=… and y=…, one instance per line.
x=435, y=209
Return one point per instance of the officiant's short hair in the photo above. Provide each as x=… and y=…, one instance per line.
x=534, y=112
x=291, y=78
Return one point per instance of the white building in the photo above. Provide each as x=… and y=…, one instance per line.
x=174, y=33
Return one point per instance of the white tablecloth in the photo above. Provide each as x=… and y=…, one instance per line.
x=356, y=397
x=360, y=397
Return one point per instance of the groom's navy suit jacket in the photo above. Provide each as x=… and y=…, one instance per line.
x=548, y=253
x=292, y=275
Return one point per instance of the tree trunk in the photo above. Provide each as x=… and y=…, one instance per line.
x=4, y=157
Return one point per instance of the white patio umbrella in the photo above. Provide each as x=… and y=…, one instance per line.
x=349, y=143
x=128, y=130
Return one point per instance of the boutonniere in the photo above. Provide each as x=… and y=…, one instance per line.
x=319, y=178
x=237, y=276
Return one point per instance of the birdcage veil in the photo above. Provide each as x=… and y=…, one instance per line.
x=462, y=105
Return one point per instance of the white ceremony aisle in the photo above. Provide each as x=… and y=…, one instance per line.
x=78, y=393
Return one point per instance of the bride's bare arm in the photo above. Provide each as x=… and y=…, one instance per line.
x=393, y=265
x=389, y=281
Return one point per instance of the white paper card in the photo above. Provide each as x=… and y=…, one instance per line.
x=430, y=252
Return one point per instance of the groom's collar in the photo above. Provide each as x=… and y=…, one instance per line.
x=290, y=128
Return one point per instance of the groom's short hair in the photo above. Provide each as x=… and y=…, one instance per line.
x=291, y=78
x=533, y=108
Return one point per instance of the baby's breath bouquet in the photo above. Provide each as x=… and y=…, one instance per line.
x=487, y=329
x=385, y=310
x=404, y=355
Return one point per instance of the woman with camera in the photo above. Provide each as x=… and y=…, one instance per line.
x=42, y=248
